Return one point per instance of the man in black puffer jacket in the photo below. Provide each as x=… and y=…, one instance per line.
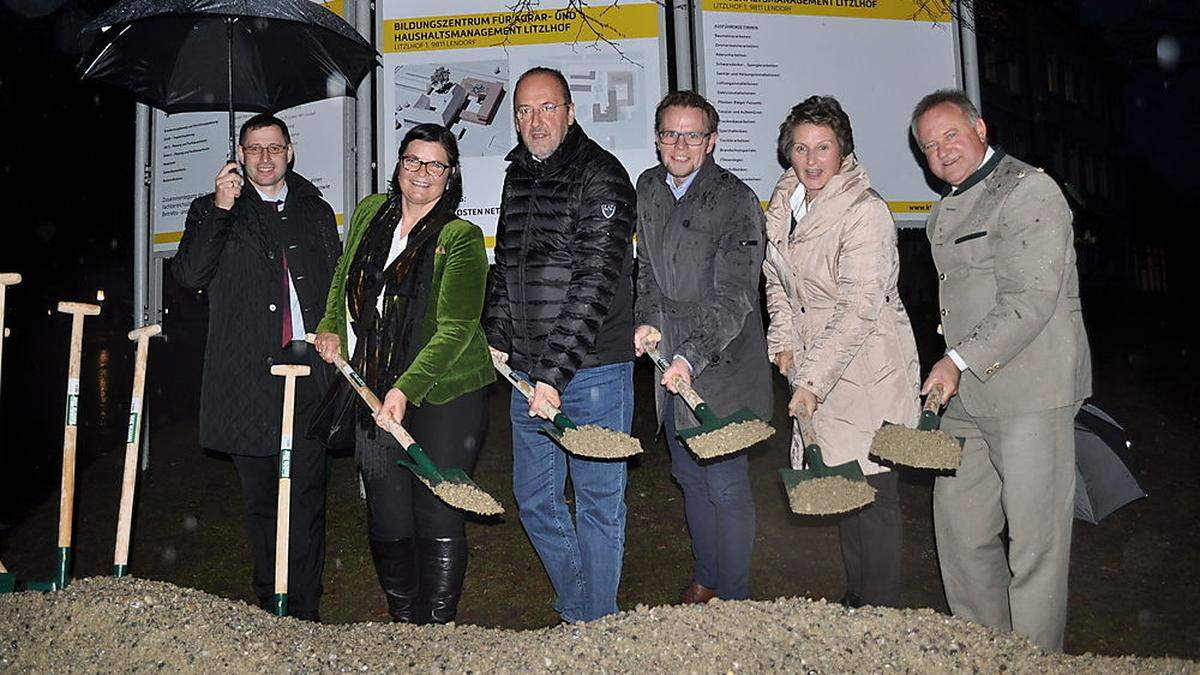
x=560, y=311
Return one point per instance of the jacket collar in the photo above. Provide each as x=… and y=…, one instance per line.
x=704, y=175
x=982, y=172
x=831, y=203
x=562, y=155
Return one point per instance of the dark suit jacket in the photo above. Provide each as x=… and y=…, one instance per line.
x=235, y=256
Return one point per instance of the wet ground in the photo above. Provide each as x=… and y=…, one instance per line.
x=1133, y=588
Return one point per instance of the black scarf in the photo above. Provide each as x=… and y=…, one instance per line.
x=387, y=344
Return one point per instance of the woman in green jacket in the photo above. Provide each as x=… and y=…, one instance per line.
x=405, y=305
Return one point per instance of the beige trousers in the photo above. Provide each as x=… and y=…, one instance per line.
x=1017, y=471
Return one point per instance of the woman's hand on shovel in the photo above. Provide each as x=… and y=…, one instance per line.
x=327, y=345
x=803, y=402
x=392, y=410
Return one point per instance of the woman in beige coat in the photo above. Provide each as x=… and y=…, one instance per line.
x=838, y=329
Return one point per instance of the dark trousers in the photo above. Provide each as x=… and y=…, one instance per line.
x=720, y=514
x=870, y=539
x=399, y=506
x=259, y=477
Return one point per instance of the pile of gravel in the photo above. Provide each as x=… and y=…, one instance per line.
x=108, y=624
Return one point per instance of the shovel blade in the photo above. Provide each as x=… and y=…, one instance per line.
x=8, y=582
x=743, y=415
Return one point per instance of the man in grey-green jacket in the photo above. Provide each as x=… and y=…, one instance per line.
x=1019, y=362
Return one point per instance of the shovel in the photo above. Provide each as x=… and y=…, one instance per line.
x=926, y=447
x=283, y=508
x=66, y=504
x=7, y=579
x=133, y=439
x=821, y=489
x=589, y=440
x=452, y=486
x=716, y=436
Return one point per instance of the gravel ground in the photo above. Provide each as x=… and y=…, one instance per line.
x=105, y=624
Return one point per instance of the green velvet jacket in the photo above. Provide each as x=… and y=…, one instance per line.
x=453, y=358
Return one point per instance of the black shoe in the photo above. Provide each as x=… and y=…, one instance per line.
x=851, y=601
x=443, y=563
x=396, y=565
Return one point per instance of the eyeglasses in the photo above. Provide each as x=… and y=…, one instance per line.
x=433, y=167
x=273, y=149
x=524, y=112
x=692, y=138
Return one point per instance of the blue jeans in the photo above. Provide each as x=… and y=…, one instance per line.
x=720, y=514
x=582, y=556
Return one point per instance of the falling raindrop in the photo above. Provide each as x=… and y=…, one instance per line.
x=189, y=522
x=1168, y=52
x=170, y=555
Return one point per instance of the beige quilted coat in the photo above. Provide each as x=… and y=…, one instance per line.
x=832, y=299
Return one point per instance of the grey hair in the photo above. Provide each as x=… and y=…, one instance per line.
x=955, y=96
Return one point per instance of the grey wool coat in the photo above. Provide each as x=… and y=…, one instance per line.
x=698, y=278
x=1009, y=292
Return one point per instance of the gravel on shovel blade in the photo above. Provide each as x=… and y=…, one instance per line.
x=919, y=449
x=106, y=624
x=591, y=440
x=465, y=497
x=828, y=495
x=730, y=438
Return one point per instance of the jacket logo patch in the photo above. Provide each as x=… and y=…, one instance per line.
x=969, y=237
x=608, y=210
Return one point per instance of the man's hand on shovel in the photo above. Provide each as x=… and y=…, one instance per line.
x=544, y=394
x=946, y=373
x=395, y=403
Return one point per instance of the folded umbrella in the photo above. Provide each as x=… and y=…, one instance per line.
x=211, y=55
x=1104, y=481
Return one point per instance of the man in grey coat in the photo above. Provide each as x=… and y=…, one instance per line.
x=700, y=245
x=1019, y=362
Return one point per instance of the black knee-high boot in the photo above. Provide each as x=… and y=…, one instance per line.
x=443, y=567
x=396, y=565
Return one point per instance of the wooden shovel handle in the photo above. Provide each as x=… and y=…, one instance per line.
x=522, y=386
x=83, y=308
x=145, y=331
x=132, y=443
x=9, y=278
x=364, y=392
x=685, y=390
x=933, y=402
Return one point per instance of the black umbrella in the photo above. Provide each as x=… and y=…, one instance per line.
x=206, y=55
x=1104, y=479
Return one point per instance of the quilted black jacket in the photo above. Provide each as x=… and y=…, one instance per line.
x=234, y=256
x=560, y=294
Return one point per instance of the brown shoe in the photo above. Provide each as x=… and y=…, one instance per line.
x=696, y=595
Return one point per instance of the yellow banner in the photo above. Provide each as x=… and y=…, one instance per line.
x=336, y=6
x=175, y=237
x=910, y=207
x=903, y=10
x=535, y=27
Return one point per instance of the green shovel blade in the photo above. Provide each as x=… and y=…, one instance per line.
x=8, y=582
x=817, y=468
x=709, y=422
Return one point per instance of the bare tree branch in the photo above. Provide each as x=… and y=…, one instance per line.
x=594, y=32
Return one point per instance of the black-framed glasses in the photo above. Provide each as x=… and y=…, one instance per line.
x=692, y=138
x=274, y=149
x=414, y=164
x=524, y=112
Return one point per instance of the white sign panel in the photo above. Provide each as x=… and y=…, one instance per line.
x=458, y=69
x=758, y=58
x=190, y=148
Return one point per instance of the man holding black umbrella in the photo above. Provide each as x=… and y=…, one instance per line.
x=264, y=257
